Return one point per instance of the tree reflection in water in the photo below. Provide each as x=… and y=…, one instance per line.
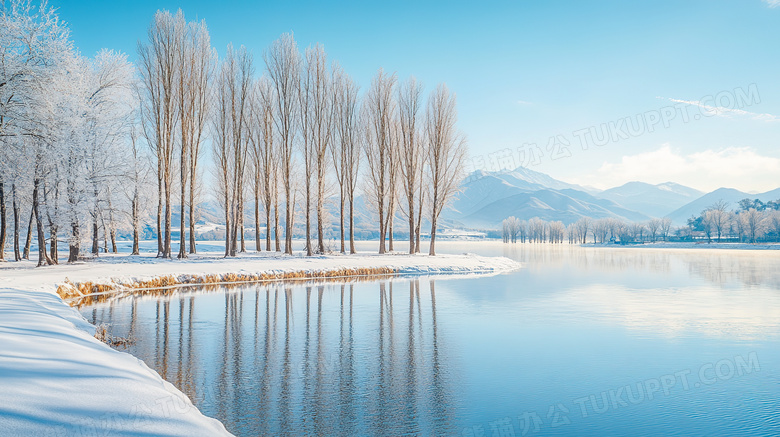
x=317, y=359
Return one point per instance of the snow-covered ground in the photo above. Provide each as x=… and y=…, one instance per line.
x=57, y=379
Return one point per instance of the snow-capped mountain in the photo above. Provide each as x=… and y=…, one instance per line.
x=651, y=200
x=487, y=198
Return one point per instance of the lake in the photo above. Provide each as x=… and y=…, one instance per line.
x=581, y=341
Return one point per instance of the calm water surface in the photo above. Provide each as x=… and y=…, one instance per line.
x=581, y=341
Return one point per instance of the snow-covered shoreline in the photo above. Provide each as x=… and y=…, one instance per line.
x=57, y=379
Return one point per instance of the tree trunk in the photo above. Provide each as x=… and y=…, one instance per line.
x=381, y=227
x=182, y=211
x=3, y=224
x=258, y=244
x=341, y=216
x=193, y=175
x=352, y=224
x=136, y=221
x=268, y=227
x=43, y=257
x=241, y=218
x=276, y=227
x=227, y=224
x=53, y=244
x=111, y=226
x=308, y=215
x=105, y=234
x=28, y=241
x=159, y=209
x=74, y=245
x=418, y=225
x=52, y=224
x=15, y=207
x=112, y=234
x=432, y=250
x=95, y=237
x=182, y=207
x=390, y=232
x=168, y=212
x=191, y=217
x=411, y=226
x=288, y=224
x=320, y=206
x=434, y=219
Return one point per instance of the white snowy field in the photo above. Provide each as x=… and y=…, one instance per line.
x=57, y=379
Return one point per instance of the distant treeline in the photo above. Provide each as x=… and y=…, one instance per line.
x=751, y=222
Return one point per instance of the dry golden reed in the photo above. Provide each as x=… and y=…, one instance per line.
x=83, y=293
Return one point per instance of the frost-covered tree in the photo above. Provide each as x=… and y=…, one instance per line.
x=582, y=225
x=754, y=224
x=718, y=217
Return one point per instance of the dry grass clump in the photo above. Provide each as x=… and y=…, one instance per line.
x=85, y=293
x=103, y=334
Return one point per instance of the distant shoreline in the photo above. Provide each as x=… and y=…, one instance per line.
x=688, y=245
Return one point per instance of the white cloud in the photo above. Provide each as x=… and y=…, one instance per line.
x=525, y=103
x=772, y=3
x=721, y=111
x=736, y=167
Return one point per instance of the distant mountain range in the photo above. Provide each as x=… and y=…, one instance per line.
x=651, y=200
x=680, y=215
x=487, y=198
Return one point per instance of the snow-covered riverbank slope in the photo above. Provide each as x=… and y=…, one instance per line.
x=57, y=379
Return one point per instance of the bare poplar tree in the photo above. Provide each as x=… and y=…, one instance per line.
x=445, y=154
x=283, y=63
x=194, y=70
x=308, y=149
x=203, y=59
x=230, y=139
x=158, y=66
x=264, y=158
x=138, y=176
x=346, y=147
x=394, y=169
x=319, y=109
x=411, y=155
x=378, y=109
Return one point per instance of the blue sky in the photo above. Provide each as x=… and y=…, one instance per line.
x=527, y=71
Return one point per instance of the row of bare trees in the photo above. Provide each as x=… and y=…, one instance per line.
x=751, y=222
x=176, y=69
x=84, y=140
x=283, y=138
x=585, y=229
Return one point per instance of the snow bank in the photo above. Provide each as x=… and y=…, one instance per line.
x=57, y=379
